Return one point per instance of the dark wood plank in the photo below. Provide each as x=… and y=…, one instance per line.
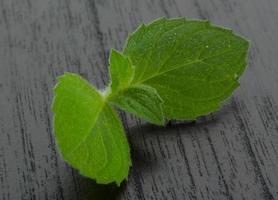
x=231, y=154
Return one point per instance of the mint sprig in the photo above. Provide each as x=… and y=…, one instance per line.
x=169, y=69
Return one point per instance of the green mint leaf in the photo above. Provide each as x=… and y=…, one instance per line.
x=192, y=64
x=141, y=100
x=121, y=71
x=88, y=132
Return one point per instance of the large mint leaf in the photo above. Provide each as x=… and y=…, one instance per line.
x=192, y=64
x=88, y=132
x=139, y=99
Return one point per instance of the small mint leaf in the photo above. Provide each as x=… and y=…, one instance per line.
x=88, y=132
x=141, y=100
x=121, y=71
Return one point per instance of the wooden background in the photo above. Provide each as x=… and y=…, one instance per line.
x=232, y=154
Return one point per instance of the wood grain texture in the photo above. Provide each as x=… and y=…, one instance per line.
x=231, y=154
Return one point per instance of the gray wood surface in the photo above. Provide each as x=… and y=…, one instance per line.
x=231, y=154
